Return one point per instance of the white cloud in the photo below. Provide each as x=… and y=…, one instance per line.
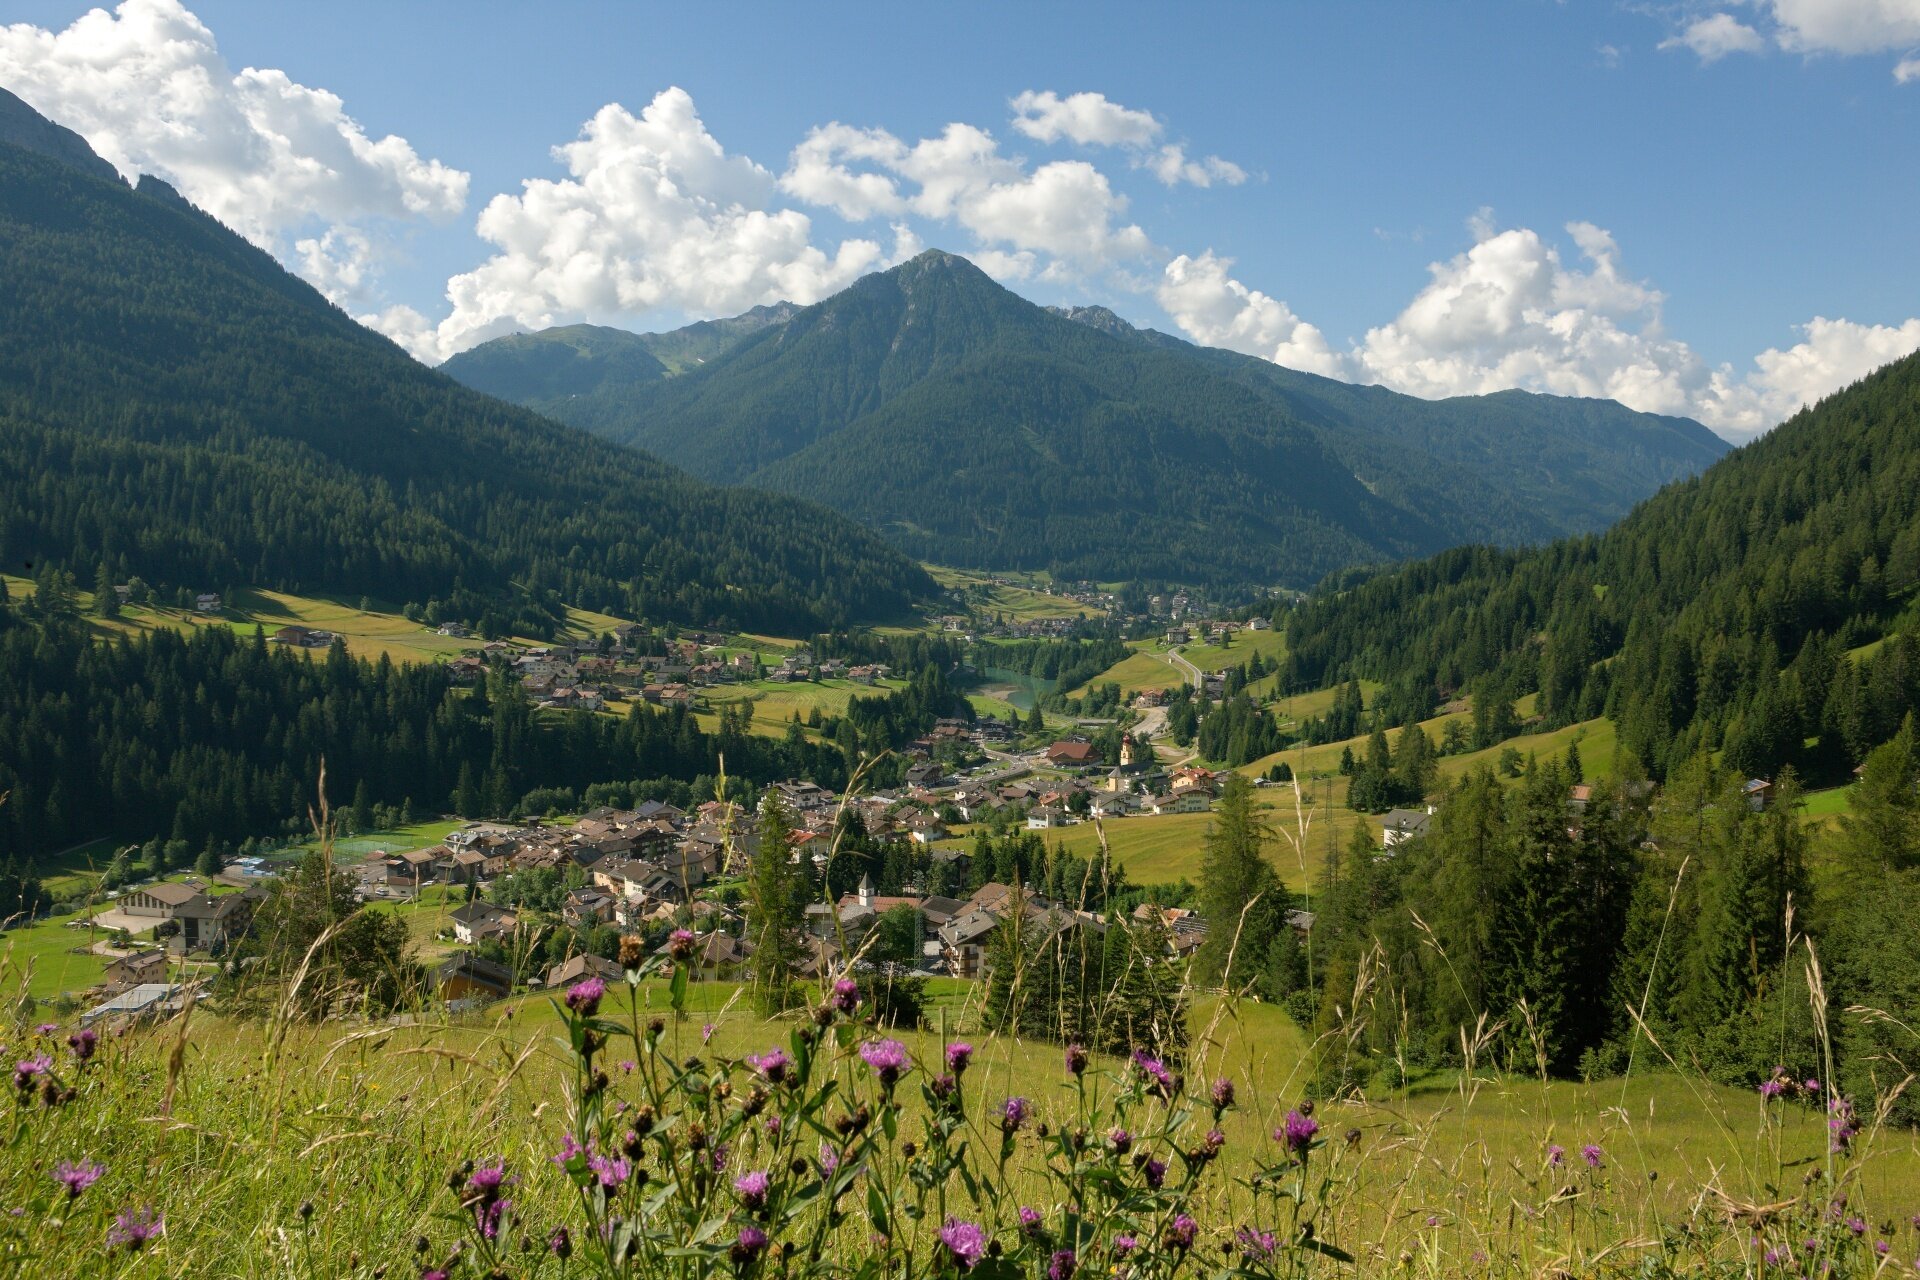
x=1847, y=26
x=654, y=215
x=1715, y=36
x=1219, y=311
x=1171, y=166
x=1086, y=118
x=147, y=87
x=1834, y=354
x=1907, y=70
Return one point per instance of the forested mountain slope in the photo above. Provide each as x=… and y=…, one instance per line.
x=973, y=427
x=1720, y=614
x=175, y=405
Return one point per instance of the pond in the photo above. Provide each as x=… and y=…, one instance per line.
x=1016, y=688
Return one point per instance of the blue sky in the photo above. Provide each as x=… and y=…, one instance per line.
x=1608, y=215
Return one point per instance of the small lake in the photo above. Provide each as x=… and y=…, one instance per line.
x=1013, y=687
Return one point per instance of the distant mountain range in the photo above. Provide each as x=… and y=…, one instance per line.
x=972, y=427
x=175, y=405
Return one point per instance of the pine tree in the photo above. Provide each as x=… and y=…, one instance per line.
x=1240, y=895
x=774, y=907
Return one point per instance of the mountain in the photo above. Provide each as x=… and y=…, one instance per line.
x=175, y=405
x=21, y=126
x=1766, y=608
x=972, y=427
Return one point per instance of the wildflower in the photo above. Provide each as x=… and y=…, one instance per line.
x=46, y=1028
x=583, y=997
x=569, y=1148
x=1182, y=1232
x=1124, y=1245
x=750, y=1244
x=83, y=1043
x=1593, y=1155
x=1880, y=1247
x=1062, y=1265
x=966, y=1243
x=1122, y=1140
x=628, y=1066
x=487, y=1180
x=27, y=1070
x=752, y=1188
x=1155, y=1172
x=1076, y=1059
x=1857, y=1225
x=829, y=1159
x=1771, y=1089
x=610, y=1170
x=943, y=1086
x=133, y=1228
x=1222, y=1094
x=1030, y=1222
x=1843, y=1124
x=1256, y=1246
x=772, y=1065
x=560, y=1244
x=1556, y=1155
x=959, y=1054
x=487, y=1214
x=1154, y=1070
x=773, y=1126
x=1212, y=1143
x=77, y=1176
x=1811, y=1086
x=633, y=952
x=680, y=944
x=1297, y=1133
x=846, y=995
x=1013, y=1114
x=888, y=1058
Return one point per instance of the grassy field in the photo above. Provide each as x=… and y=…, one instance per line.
x=363, y=1122
x=1138, y=671
x=1016, y=603
x=1243, y=645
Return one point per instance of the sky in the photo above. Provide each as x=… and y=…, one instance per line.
x=1705, y=209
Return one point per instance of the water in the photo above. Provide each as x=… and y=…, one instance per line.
x=1016, y=688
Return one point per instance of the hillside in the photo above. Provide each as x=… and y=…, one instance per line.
x=175, y=405
x=974, y=428
x=1720, y=615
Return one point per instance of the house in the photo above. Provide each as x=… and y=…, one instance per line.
x=479, y=921
x=459, y=630
x=1401, y=825
x=208, y=602
x=583, y=966
x=148, y=1000
x=142, y=968
x=1072, y=752
x=1258, y=623
x=209, y=923
x=1578, y=798
x=714, y=954
x=1179, y=635
x=465, y=976
x=161, y=901
x=1114, y=805
x=1047, y=817
x=298, y=636
x=963, y=942
x=925, y=774
x=1758, y=793
x=925, y=828
x=586, y=907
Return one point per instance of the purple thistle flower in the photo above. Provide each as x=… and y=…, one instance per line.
x=752, y=1188
x=1297, y=1133
x=1556, y=1155
x=1843, y=1124
x=1857, y=1225
x=612, y=1171
x=943, y=1086
x=1811, y=1086
x=829, y=1159
x=1013, y=1114
x=83, y=1042
x=488, y=1179
x=27, y=1069
x=772, y=1065
x=1256, y=1246
x=569, y=1148
x=1593, y=1155
x=773, y=1126
x=680, y=944
x=1124, y=1245
x=1122, y=1140
x=965, y=1242
x=134, y=1227
x=46, y=1028
x=706, y=1032
x=77, y=1176
x=1154, y=1070
x=846, y=995
x=560, y=1244
x=888, y=1058
x=1156, y=1173
x=1062, y=1265
x=583, y=997
x=1076, y=1059
x=1771, y=1089
x=750, y=1244
x=1213, y=1142
x=959, y=1054
x=487, y=1215
x=1222, y=1094
x=1029, y=1222
x=1182, y=1233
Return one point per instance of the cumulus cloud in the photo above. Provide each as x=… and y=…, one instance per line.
x=1219, y=311
x=1093, y=120
x=1715, y=36
x=653, y=215
x=1848, y=28
x=1833, y=354
x=1053, y=221
x=147, y=87
x=1086, y=118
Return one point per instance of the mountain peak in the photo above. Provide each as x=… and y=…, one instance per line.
x=27, y=129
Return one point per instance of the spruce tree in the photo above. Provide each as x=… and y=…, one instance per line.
x=775, y=907
x=1240, y=896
